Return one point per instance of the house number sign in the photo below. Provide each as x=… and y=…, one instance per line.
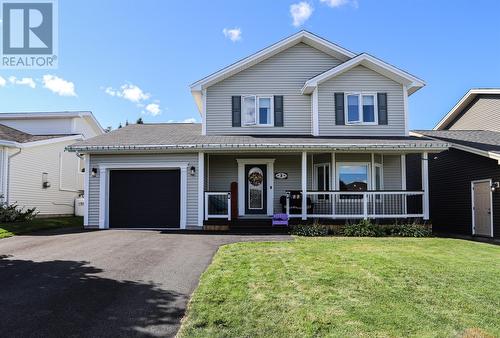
x=281, y=176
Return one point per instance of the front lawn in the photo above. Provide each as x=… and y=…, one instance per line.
x=20, y=228
x=345, y=287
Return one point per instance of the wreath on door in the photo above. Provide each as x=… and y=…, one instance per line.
x=255, y=178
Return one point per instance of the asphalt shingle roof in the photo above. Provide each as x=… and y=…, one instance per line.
x=477, y=139
x=14, y=135
x=188, y=135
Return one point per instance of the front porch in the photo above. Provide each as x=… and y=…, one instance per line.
x=243, y=187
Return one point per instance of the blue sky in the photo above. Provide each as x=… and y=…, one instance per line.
x=125, y=59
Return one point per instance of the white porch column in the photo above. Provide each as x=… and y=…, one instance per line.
x=103, y=197
x=201, y=187
x=403, y=172
x=304, y=185
x=425, y=184
x=86, y=189
x=333, y=177
x=183, y=216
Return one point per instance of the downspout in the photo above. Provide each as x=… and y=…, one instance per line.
x=7, y=183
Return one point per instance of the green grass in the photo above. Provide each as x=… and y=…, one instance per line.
x=349, y=287
x=20, y=228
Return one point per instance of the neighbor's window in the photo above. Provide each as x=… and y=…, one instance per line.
x=361, y=108
x=353, y=177
x=257, y=110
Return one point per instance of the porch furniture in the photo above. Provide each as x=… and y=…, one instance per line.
x=296, y=203
x=280, y=220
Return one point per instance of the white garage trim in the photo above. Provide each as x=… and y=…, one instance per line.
x=104, y=169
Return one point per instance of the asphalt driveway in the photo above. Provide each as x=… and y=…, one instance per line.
x=112, y=283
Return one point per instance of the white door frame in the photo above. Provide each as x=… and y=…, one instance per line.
x=269, y=162
x=489, y=180
x=104, y=169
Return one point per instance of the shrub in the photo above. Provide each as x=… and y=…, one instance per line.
x=364, y=228
x=408, y=230
x=309, y=230
x=13, y=213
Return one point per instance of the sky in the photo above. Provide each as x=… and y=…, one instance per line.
x=125, y=59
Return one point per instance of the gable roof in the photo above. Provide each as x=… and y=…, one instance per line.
x=481, y=142
x=462, y=104
x=302, y=36
x=187, y=137
x=11, y=137
x=87, y=115
x=411, y=82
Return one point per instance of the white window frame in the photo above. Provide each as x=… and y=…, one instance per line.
x=381, y=166
x=360, y=108
x=315, y=175
x=257, y=114
x=367, y=164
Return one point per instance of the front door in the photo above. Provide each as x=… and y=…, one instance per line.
x=255, y=189
x=481, y=208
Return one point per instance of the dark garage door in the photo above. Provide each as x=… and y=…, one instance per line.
x=144, y=198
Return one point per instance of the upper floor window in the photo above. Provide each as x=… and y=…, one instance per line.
x=257, y=110
x=361, y=108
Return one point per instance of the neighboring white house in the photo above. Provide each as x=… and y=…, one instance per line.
x=35, y=169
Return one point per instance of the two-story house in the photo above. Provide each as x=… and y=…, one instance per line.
x=35, y=170
x=303, y=127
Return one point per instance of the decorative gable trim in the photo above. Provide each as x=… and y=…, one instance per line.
x=412, y=82
x=302, y=36
x=462, y=104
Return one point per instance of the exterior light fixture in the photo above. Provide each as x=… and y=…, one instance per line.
x=192, y=171
x=495, y=186
x=94, y=172
x=45, y=180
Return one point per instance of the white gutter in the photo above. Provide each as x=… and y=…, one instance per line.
x=13, y=144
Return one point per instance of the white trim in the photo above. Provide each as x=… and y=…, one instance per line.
x=372, y=63
x=86, y=190
x=491, y=205
x=269, y=162
x=425, y=184
x=201, y=187
x=368, y=171
x=203, y=113
x=104, y=169
x=304, y=185
x=360, y=108
x=372, y=169
x=462, y=103
x=406, y=112
x=40, y=142
x=326, y=166
x=315, y=112
x=257, y=123
x=403, y=171
x=333, y=184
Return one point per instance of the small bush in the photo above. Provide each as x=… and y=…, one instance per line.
x=408, y=230
x=309, y=230
x=13, y=213
x=364, y=228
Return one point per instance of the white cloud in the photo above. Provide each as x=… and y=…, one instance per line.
x=2, y=82
x=233, y=34
x=25, y=81
x=300, y=12
x=153, y=109
x=58, y=85
x=338, y=3
x=129, y=92
x=188, y=120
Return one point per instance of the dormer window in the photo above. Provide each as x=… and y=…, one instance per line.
x=361, y=108
x=256, y=110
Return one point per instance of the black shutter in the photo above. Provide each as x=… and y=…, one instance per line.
x=339, y=108
x=278, y=111
x=382, y=108
x=236, y=109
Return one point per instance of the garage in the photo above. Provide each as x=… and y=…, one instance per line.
x=144, y=198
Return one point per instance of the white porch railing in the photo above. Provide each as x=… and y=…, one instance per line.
x=360, y=204
x=218, y=205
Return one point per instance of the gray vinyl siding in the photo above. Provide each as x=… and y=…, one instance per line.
x=283, y=74
x=482, y=114
x=392, y=172
x=192, y=181
x=361, y=79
